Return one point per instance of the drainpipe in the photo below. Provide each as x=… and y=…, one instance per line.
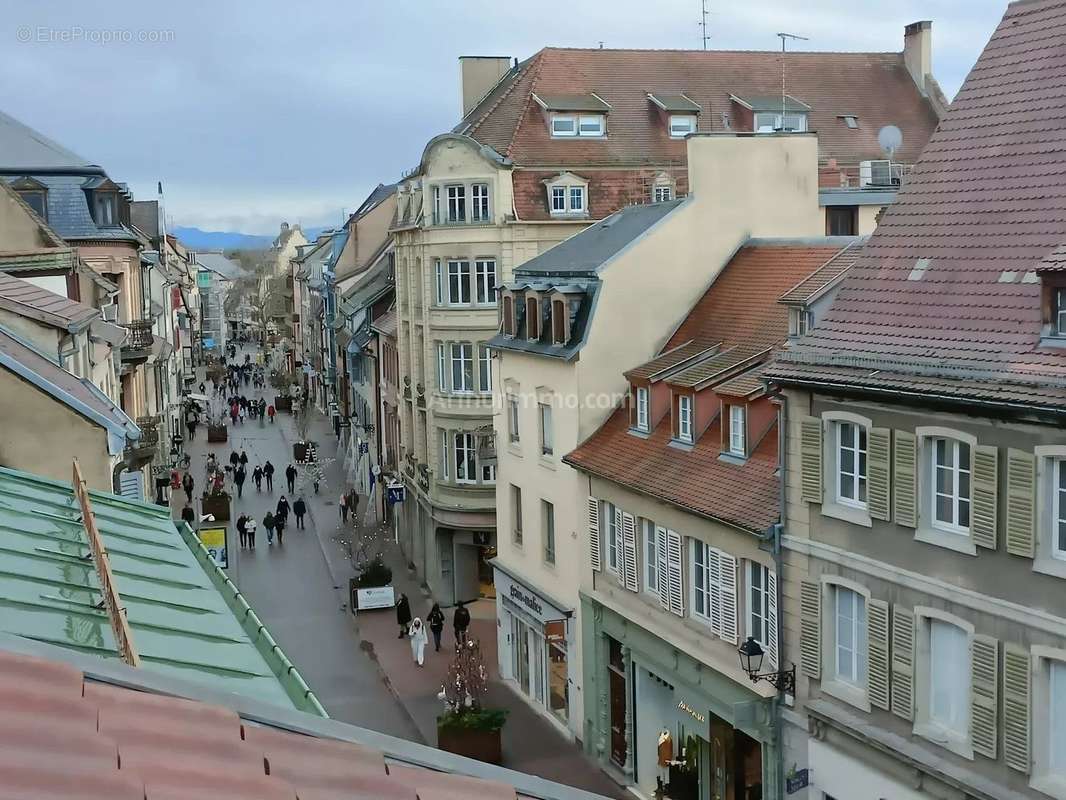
x=779, y=566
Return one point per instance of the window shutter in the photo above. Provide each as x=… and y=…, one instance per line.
x=879, y=471
x=619, y=549
x=713, y=568
x=1021, y=488
x=878, y=667
x=811, y=629
x=673, y=564
x=811, y=459
x=1016, y=700
x=984, y=694
x=662, y=569
x=595, y=559
x=985, y=491
x=629, y=551
x=728, y=566
x=905, y=502
x=771, y=617
x=902, y=693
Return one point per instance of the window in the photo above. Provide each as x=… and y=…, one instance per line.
x=1058, y=516
x=533, y=317
x=850, y=120
x=564, y=126
x=611, y=536
x=106, y=207
x=465, y=457
x=508, y=315
x=458, y=282
x=485, y=279
x=759, y=602
x=684, y=418
x=438, y=269
x=462, y=367
x=662, y=192
x=841, y=220
x=35, y=199
x=442, y=371
x=488, y=473
x=559, y=322
x=479, y=200
x=547, y=513
x=456, y=203
x=651, y=557
x=1057, y=721
x=577, y=198
x=770, y=121
x=1060, y=312
x=558, y=199
x=591, y=125
x=849, y=636
x=800, y=320
x=484, y=373
x=545, y=428
x=516, y=514
x=512, y=417
x=851, y=464
x=444, y=455
x=567, y=199
x=436, y=206
x=642, y=408
x=681, y=125
x=714, y=591
x=951, y=485
x=948, y=665
x=737, y=419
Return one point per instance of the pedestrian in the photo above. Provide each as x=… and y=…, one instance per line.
x=279, y=525
x=403, y=615
x=290, y=477
x=268, y=523
x=268, y=471
x=417, y=635
x=203, y=388
x=460, y=621
x=257, y=476
x=241, y=414
x=271, y=412
x=238, y=478
x=190, y=423
x=242, y=530
x=299, y=508
x=187, y=483
x=436, y=625
x=343, y=503
x=353, y=505
x=188, y=515
x=234, y=459
x=282, y=510
x=250, y=527
x=234, y=412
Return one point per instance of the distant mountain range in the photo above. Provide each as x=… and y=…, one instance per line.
x=196, y=239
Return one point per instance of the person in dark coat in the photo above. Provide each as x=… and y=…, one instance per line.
x=257, y=476
x=343, y=503
x=435, y=620
x=188, y=515
x=187, y=483
x=282, y=511
x=299, y=508
x=461, y=621
x=353, y=505
x=244, y=459
x=268, y=471
x=268, y=523
x=238, y=478
x=290, y=477
x=241, y=520
x=403, y=615
x=190, y=423
x=234, y=459
x=203, y=388
x=279, y=526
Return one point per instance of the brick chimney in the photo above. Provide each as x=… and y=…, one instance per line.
x=918, y=53
x=477, y=76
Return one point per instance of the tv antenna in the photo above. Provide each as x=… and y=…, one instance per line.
x=784, y=38
x=704, y=36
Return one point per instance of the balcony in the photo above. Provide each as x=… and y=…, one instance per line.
x=138, y=345
x=142, y=451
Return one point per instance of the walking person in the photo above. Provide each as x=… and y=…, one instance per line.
x=187, y=483
x=271, y=412
x=234, y=459
x=436, y=625
x=188, y=515
x=268, y=523
x=257, y=476
x=343, y=503
x=299, y=508
x=279, y=526
x=244, y=459
x=460, y=621
x=238, y=478
x=242, y=530
x=250, y=527
x=190, y=423
x=282, y=510
x=353, y=505
x=268, y=471
x=290, y=477
x=417, y=635
x=403, y=615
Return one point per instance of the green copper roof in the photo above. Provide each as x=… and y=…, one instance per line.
x=187, y=618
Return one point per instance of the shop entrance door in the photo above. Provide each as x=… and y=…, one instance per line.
x=617, y=677
x=520, y=653
x=736, y=763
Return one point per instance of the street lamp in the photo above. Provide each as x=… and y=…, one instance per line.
x=751, y=657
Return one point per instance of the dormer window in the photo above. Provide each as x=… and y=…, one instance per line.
x=1059, y=321
x=532, y=317
x=640, y=402
x=34, y=194
x=684, y=418
x=567, y=195
x=584, y=125
x=771, y=122
x=681, y=125
x=799, y=322
x=560, y=322
x=508, y=314
x=738, y=421
x=564, y=125
x=105, y=209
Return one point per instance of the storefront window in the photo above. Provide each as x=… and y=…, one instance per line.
x=558, y=687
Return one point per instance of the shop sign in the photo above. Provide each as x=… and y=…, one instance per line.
x=555, y=631
x=395, y=493
x=526, y=599
x=214, y=539
x=797, y=779
x=696, y=715
x=376, y=597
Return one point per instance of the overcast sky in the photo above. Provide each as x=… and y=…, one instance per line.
x=251, y=113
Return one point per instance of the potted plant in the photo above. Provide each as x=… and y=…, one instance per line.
x=215, y=500
x=466, y=728
x=304, y=451
x=372, y=587
x=281, y=381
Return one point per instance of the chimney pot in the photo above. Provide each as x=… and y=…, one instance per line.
x=918, y=52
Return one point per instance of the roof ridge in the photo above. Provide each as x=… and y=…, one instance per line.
x=534, y=68
x=723, y=50
x=530, y=63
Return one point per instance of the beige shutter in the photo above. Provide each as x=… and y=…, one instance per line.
x=1017, y=696
x=594, y=534
x=877, y=626
x=771, y=617
x=728, y=577
x=662, y=569
x=905, y=497
x=629, y=551
x=673, y=567
x=811, y=629
x=879, y=472
x=811, y=459
x=902, y=694
x=1021, y=502
x=984, y=694
x=985, y=491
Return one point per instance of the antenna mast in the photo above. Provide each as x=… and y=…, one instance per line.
x=785, y=37
x=703, y=23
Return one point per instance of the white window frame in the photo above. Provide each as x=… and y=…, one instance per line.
x=681, y=125
x=561, y=198
x=684, y=418
x=649, y=552
x=544, y=417
x=438, y=216
x=775, y=124
x=442, y=368
x=1058, y=506
x=484, y=363
x=577, y=192
x=480, y=208
x=957, y=741
x=1045, y=777
x=738, y=425
x=513, y=434
x=459, y=289
x=662, y=193
x=956, y=470
x=843, y=688
x=461, y=358
x=547, y=513
x=1046, y=560
x=456, y=198
x=642, y=405
x=854, y=438
x=567, y=130
x=485, y=281
x=438, y=269
x=465, y=454
x=612, y=537
x=516, y=514
x=757, y=572
x=444, y=444
x=488, y=473
x=831, y=503
x=592, y=126
x=558, y=199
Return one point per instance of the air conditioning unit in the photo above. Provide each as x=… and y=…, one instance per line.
x=875, y=173
x=110, y=312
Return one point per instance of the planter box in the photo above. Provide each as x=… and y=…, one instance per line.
x=301, y=451
x=480, y=745
x=282, y=403
x=218, y=506
x=217, y=433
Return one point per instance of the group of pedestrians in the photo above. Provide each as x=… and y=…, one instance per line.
x=415, y=630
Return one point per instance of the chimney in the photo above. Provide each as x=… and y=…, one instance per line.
x=477, y=76
x=918, y=52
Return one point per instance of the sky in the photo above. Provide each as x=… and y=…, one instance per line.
x=254, y=113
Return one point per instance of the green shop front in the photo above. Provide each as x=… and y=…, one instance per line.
x=668, y=725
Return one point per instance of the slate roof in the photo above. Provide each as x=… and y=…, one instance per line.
x=373, y=200
x=23, y=148
x=114, y=734
x=219, y=264
x=28, y=300
x=946, y=287
x=875, y=87
x=68, y=207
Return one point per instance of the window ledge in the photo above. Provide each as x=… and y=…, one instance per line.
x=949, y=541
x=514, y=449
x=955, y=742
x=732, y=458
x=569, y=215
x=856, y=516
x=677, y=444
x=639, y=433
x=1049, y=565
x=547, y=462
x=1053, y=785
x=1053, y=341
x=846, y=693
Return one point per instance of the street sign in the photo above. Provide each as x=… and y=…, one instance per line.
x=214, y=539
x=377, y=597
x=395, y=493
x=798, y=779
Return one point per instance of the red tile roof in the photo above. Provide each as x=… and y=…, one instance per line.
x=946, y=286
x=874, y=87
x=64, y=736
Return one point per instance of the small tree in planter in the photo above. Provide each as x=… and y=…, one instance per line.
x=282, y=380
x=465, y=727
x=215, y=500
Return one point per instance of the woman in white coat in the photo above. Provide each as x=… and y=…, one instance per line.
x=417, y=634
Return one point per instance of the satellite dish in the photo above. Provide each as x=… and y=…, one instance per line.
x=890, y=138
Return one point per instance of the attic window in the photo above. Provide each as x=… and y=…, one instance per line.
x=533, y=317
x=35, y=199
x=583, y=125
x=1059, y=321
x=105, y=209
x=508, y=315
x=681, y=125
x=850, y=120
x=771, y=122
x=560, y=322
